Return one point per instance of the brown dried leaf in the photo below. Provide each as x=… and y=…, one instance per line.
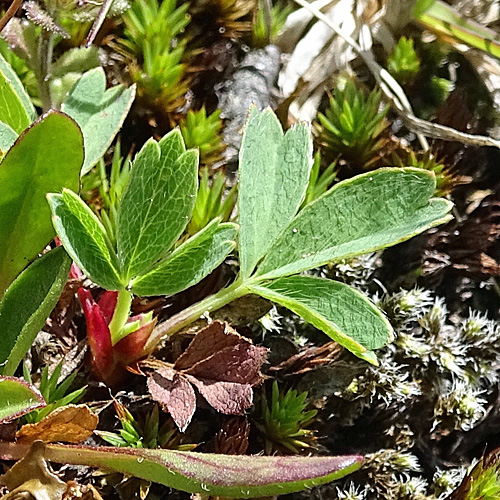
x=240, y=364
x=173, y=391
x=229, y=398
x=307, y=360
x=77, y=491
x=32, y=477
x=69, y=424
x=220, y=363
x=464, y=245
x=213, y=338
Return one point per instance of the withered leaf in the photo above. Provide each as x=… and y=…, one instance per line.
x=220, y=363
x=77, y=491
x=213, y=338
x=32, y=477
x=69, y=424
x=230, y=398
x=173, y=391
x=307, y=359
x=240, y=363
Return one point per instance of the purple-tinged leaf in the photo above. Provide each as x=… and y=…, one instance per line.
x=229, y=398
x=220, y=363
x=17, y=398
x=175, y=393
x=213, y=338
x=240, y=363
x=233, y=476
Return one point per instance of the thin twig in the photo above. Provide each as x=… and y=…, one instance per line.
x=99, y=20
x=11, y=12
x=395, y=94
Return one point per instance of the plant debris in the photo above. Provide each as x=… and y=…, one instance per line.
x=68, y=424
x=221, y=364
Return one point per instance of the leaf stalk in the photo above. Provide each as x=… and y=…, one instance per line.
x=45, y=50
x=191, y=314
x=120, y=315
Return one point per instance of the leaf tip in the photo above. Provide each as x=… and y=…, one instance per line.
x=368, y=356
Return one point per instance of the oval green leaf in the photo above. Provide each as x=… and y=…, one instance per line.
x=84, y=238
x=216, y=475
x=157, y=203
x=45, y=158
x=274, y=169
x=16, y=109
x=26, y=305
x=99, y=112
x=190, y=263
x=340, y=311
x=360, y=215
x=17, y=398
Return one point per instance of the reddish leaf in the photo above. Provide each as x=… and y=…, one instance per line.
x=240, y=363
x=175, y=393
x=220, y=363
x=230, y=398
x=109, y=361
x=98, y=335
x=213, y=338
x=227, y=476
x=131, y=347
x=75, y=273
x=107, y=304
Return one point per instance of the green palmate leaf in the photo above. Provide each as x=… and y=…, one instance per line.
x=359, y=215
x=99, y=112
x=16, y=109
x=26, y=305
x=274, y=170
x=8, y=137
x=189, y=263
x=340, y=311
x=216, y=475
x=84, y=238
x=157, y=203
x=17, y=398
x=46, y=157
